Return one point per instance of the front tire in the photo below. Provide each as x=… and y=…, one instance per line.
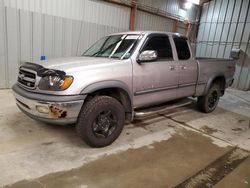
x=209, y=102
x=100, y=121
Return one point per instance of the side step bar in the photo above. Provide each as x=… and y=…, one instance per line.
x=163, y=108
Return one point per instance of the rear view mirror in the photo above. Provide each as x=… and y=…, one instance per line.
x=235, y=53
x=147, y=56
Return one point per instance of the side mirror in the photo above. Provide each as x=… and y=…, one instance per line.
x=235, y=53
x=147, y=56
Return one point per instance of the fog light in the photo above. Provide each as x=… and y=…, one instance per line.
x=42, y=109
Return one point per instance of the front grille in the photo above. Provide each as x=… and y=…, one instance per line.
x=27, y=78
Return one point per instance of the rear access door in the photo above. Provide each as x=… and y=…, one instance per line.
x=188, y=70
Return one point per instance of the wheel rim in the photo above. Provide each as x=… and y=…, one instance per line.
x=105, y=124
x=212, y=99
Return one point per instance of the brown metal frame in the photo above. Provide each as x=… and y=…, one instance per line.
x=133, y=15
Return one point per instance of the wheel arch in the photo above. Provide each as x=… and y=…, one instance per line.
x=220, y=79
x=116, y=89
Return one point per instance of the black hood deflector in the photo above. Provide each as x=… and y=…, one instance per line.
x=41, y=71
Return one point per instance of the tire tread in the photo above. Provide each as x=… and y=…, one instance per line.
x=201, y=102
x=88, y=109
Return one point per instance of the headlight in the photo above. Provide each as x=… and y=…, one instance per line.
x=55, y=82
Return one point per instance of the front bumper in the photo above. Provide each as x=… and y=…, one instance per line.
x=49, y=108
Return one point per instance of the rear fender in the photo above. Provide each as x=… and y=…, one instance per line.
x=211, y=80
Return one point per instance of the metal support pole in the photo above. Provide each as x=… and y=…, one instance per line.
x=188, y=26
x=132, y=15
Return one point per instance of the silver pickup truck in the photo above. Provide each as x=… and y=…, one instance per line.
x=121, y=76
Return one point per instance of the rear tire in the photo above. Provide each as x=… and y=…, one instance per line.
x=209, y=102
x=101, y=121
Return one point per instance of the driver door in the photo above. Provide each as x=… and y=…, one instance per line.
x=157, y=81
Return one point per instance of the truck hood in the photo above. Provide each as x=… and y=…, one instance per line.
x=74, y=63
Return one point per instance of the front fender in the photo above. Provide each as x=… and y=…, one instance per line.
x=108, y=84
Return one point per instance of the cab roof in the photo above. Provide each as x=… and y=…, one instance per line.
x=149, y=32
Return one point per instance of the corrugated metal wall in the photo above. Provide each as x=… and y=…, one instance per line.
x=146, y=21
x=173, y=7
x=93, y=11
x=181, y=28
x=55, y=28
x=225, y=24
x=170, y=6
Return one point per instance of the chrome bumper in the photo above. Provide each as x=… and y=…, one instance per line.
x=58, y=112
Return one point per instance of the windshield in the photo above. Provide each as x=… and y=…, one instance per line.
x=115, y=46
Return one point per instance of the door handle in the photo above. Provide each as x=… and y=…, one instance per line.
x=183, y=67
x=172, y=67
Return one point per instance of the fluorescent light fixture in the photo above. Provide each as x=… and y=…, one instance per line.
x=188, y=5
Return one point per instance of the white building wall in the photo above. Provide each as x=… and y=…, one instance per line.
x=98, y=12
x=54, y=28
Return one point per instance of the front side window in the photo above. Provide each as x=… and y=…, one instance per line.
x=161, y=45
x=182, y=48
x=115, y=46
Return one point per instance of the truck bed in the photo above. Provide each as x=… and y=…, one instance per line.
x=210, y=67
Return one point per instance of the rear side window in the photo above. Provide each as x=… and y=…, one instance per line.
x=182, y=48
x=160, y=44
